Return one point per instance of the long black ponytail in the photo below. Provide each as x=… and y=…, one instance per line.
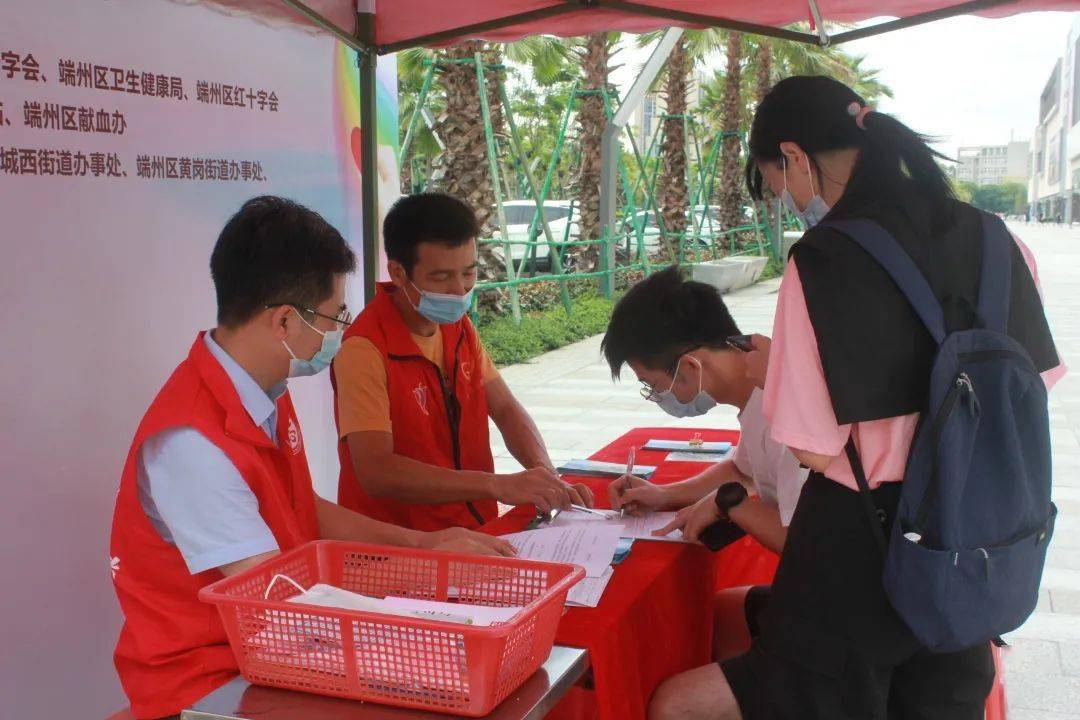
x=821, y=114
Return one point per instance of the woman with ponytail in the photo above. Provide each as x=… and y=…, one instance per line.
x=850, y=359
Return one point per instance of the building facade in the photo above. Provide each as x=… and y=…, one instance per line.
x=646, y=119
x=994, y=164
x=1054, y=186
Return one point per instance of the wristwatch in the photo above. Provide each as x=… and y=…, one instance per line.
x=728, y=496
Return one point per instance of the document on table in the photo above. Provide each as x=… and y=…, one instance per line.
x=688, y=446
x=590, y=545
x=587, y=592
x=640, y=527
x=701, y=457
x=596, y=468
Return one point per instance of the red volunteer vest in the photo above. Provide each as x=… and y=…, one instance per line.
x=172, y=648
x=439, y=419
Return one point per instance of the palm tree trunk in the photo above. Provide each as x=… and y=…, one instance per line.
x=730, y=185
x=672, y=192
x=764, y=67
x=466, y=163
x=764, y=62
x=591, y=119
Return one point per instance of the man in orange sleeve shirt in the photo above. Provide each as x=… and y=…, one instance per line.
x=414, y=389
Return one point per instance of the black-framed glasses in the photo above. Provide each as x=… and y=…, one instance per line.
x=343, y=318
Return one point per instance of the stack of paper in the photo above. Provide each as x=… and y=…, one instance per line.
x=640, y=527
x=587, y=593
x=688, y=446
x=590, y=545
x=595, y=468
x=325, y=595
x=480, y=615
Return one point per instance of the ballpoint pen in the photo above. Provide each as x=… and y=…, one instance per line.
x=629, y=470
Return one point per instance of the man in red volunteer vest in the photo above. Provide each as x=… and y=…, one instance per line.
x=415, y=389
x=216, y=480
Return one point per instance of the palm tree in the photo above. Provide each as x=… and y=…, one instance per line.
x=466, y=173
x=763, y=62
x=672, y=191
x=594, y=55
x=864, y=80
x=413, y=65
x=672, y=195
x=731, y=194
x=558, y=62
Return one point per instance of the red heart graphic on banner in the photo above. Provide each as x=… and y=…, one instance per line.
x=356, y=146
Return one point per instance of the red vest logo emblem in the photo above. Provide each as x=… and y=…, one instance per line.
x=420, y=394
x=466, y=370
x=294, y=437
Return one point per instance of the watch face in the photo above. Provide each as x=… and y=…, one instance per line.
x=730, y=495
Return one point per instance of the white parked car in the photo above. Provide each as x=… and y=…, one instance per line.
x=519, y=216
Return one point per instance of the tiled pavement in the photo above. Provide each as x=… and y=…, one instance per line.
x=570, y=394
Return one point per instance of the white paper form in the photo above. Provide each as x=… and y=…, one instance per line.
x=697, y=457
x=590, y=545
x=587, y=593
x=480, y=615
x=640, y=527
x=597, y=468
x=688, y=446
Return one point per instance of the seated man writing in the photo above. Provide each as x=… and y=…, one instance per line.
x=415, y=388
x=674, y=334
x=217, y=480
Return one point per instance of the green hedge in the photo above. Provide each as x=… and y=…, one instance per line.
x=539, y=332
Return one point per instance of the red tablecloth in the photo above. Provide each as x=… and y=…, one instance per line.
x=655, y=618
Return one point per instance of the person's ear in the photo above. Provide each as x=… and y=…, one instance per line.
x=279, y=321
x=397, y=273
x=791, y=152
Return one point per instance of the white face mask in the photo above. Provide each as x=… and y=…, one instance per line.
x=816, y=209
x=699, y=405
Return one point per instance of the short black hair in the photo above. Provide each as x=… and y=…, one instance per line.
x=662, y=317
x=426, y=217
x=274, y=250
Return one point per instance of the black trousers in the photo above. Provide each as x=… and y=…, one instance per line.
x=830, y=645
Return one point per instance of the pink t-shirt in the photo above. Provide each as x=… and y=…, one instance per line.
x=798, y=407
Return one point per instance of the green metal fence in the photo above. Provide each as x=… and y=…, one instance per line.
x=640, y=243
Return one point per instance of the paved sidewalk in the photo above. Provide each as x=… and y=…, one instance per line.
x=570, y=394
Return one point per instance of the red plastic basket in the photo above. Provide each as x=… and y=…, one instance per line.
x=404, y=661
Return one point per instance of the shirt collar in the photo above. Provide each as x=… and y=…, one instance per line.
x=260, y=405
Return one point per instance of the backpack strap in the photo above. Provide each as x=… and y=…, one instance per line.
x=881, y=246
x=995, y=277
x=873, y=515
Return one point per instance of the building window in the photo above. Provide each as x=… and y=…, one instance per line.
x=1053, y=169
x=648, y=114
x=1049, y=98
x=1076, y=83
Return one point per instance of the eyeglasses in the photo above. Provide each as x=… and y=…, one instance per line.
x=343, y=318
x=649, y=392
x=652, y=394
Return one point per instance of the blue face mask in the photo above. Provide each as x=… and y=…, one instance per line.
x=331, y=343
x=816, y=209
x=700, y=404
x=442, y=308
